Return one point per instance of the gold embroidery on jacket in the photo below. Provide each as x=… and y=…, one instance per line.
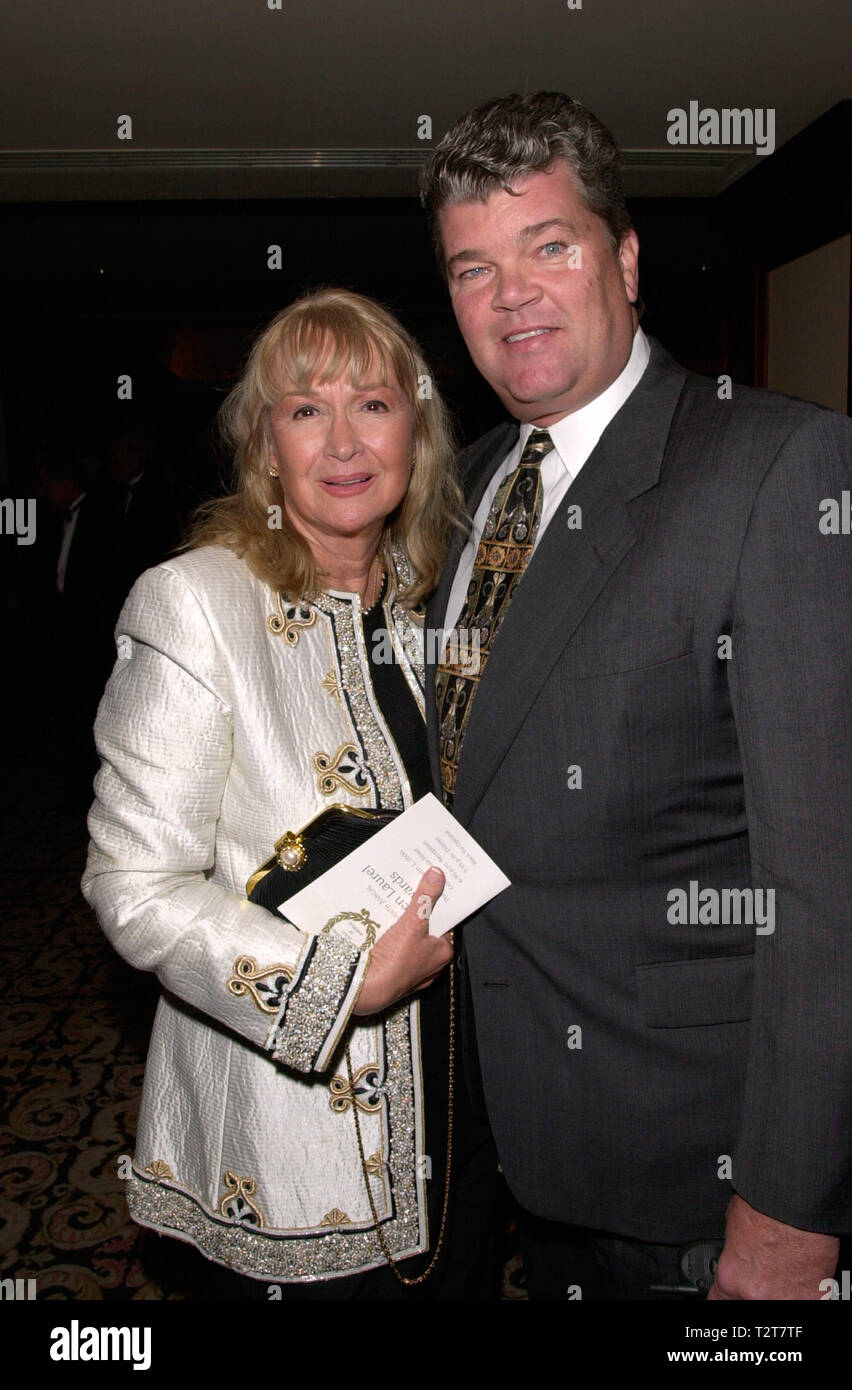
x=364, y=1090
x=336, y=1217
x=237, y=1202
x=290, y=620
x=345, y=768
x=250, y=978
x=159, y=1169
x=331, y=687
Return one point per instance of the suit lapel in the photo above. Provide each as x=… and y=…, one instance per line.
x=567, y=572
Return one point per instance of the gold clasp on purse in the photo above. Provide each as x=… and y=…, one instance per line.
x=290, y=851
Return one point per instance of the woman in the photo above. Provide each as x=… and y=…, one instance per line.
x=243, y=703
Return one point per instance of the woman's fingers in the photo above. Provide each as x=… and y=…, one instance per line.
x=424, y=984
x=406, y=958
x=427, y=893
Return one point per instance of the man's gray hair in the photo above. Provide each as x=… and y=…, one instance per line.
x=500, y=142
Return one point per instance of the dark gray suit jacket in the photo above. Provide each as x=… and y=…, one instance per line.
x=699, y=1040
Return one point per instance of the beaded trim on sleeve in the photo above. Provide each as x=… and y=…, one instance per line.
x=314, y=1005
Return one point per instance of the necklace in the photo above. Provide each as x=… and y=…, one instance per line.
x=374, y=585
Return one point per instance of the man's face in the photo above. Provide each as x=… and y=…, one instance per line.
x=543, y=301
x=62, y=493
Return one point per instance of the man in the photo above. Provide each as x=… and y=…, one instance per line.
x=146, y=515
x=77, y=602
x=662, y=709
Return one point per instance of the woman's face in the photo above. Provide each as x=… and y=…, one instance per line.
x=343, y=454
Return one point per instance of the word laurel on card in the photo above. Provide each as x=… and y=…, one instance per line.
x=374, y=884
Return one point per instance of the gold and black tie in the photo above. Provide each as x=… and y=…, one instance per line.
x=502, y=556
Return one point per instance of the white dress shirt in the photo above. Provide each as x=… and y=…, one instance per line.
x=574, y=437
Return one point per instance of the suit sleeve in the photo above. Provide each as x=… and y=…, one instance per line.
x=791, y=686
x=164, y=731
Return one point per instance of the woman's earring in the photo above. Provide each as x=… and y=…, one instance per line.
x=272, y=473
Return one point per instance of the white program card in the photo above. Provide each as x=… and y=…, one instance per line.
x=377, y=880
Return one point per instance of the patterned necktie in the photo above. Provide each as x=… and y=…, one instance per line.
x=502, y=556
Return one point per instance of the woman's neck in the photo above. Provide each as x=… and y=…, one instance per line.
x=354, y=572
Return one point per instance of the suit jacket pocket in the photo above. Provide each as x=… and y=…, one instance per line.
x=688, y=993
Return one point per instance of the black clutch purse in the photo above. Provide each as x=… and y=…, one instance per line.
x=300, y=856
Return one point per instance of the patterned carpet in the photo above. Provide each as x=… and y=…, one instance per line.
x=73, y=1037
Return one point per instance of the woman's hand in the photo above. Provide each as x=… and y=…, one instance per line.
x=406, y=958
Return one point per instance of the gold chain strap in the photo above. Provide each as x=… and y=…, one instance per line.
x=410, y=1283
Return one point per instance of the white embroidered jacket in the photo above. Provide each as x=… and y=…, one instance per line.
x=229, y=718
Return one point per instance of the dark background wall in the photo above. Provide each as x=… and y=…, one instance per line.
x=172, y=294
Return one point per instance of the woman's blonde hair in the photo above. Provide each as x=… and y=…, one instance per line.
x=317, y=339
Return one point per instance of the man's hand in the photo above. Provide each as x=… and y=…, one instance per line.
x=406, y=958
x=763, y=1258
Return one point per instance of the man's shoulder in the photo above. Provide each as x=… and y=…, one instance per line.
x=717, y=411
x=725, y=394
